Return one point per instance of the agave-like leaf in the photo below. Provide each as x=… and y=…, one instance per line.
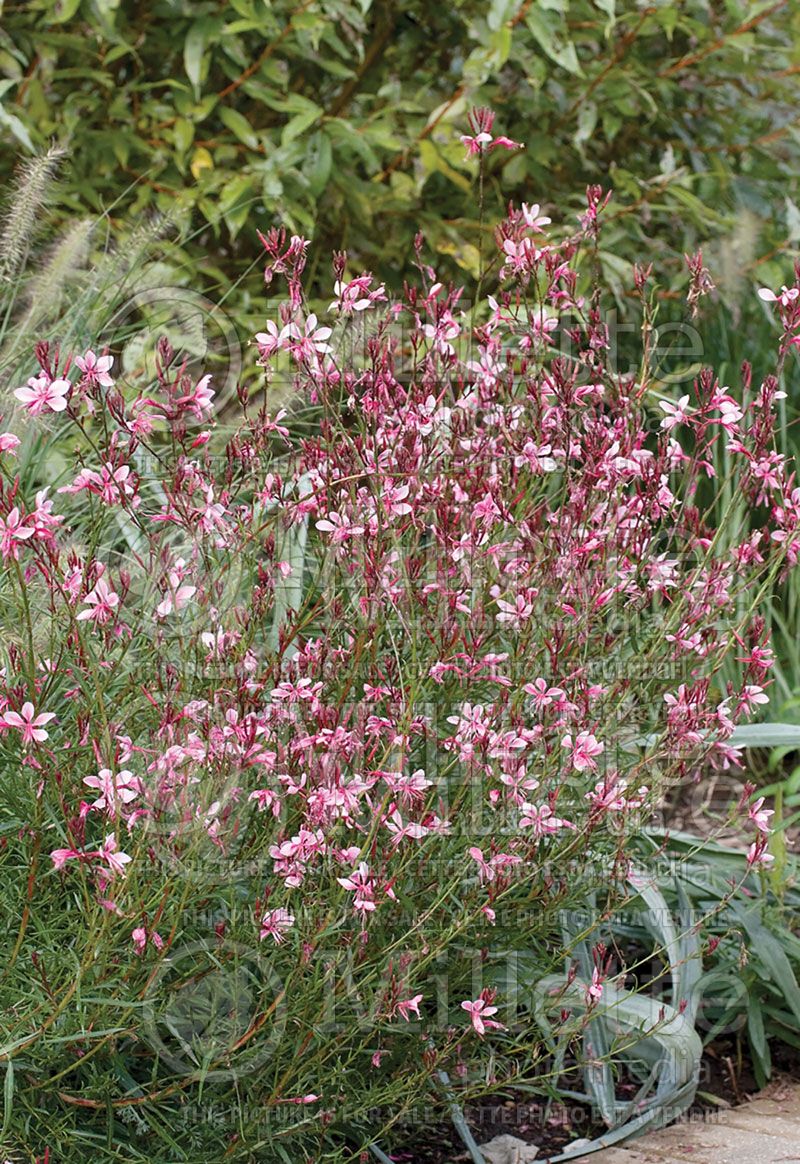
x=691, y=957
x=658, y=920
x=683, y=951
x=653, y=1021
x=747, y=735
x=668, y=1044
x=766, y=735
x=597, y=1075
x=460, y=1123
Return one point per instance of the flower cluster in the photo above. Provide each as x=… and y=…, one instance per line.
x=442, y=647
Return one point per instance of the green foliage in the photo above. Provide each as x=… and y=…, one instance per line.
x=340, y=119
x=749, y=989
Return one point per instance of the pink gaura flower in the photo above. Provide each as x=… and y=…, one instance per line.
x=96, y=368
x=410, y=788
x=113, y=856
x=9, y=443
x=340, y=526
x=274, y=339
x=393, y=499
x=219, y=642
x=175, y=599
x=609, y=795
x=28, y=722
x=760, y=816
x=178, y=594
x=481, y=141
x=543, y=695
x=361, y=883
x=410, y=1006
x=139, y=937
x=59, y=857
x=541, y=326
x=532, y=218
x=399, y=830
x=42, y=518
x=584, y=749
x=786, y=296
x=275, y=924
x=200, y=399
x=12, y=532
x=594, y=991
x=730, y=411
x=356, y=295
x=487, y=870
x=676, y=413
x=115, y=790
x=542, y=820
x=479, y=1012
x=445, y=329
x=757, y=853
x=102, y=603
x=42, y=393
x=477, y=143
x=752, y=697
x=537, y=458
x=112, y=484
x=519, y=255
x=311, y=341
x=514, y=613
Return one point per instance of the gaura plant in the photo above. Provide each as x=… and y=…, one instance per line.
x=313, y=719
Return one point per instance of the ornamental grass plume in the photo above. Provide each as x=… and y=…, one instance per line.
x=369, y=701
x=67, y=285
x=28, y=195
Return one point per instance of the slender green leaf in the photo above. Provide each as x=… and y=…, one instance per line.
x=239, y=126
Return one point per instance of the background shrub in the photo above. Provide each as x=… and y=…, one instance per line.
x=338, y=119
